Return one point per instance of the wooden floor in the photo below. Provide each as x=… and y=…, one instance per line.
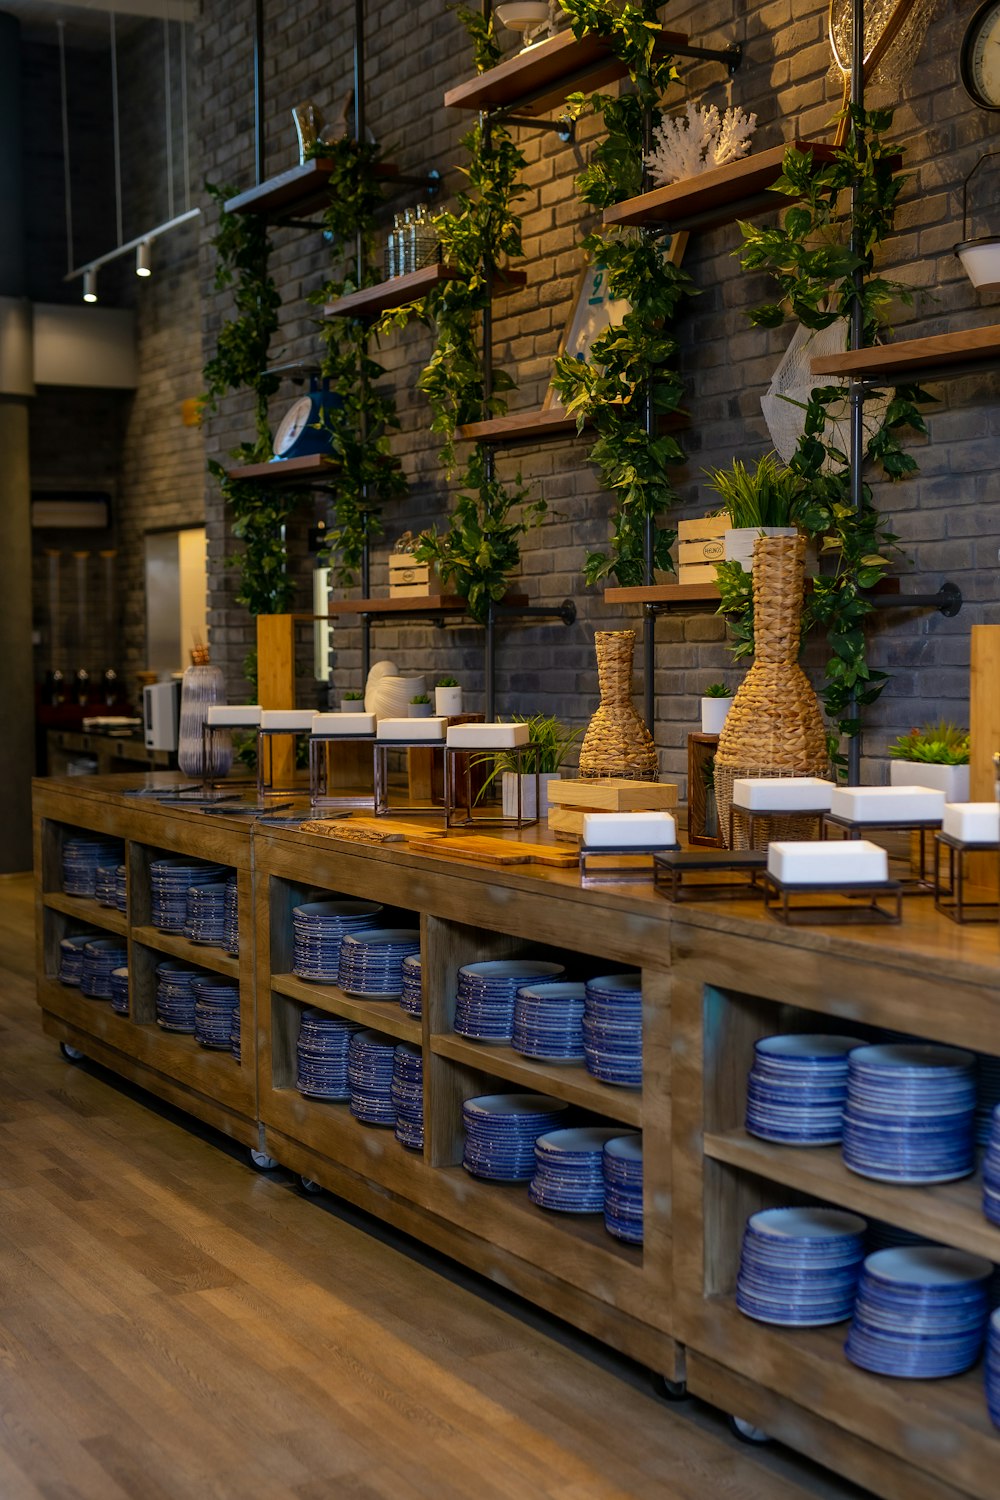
x=173, y=1324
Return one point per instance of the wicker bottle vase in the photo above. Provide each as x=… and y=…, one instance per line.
x=775, y=727
x=617, y=743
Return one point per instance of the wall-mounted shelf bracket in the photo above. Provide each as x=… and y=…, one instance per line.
x=729, y=57
x=947, y=600
x=566, y=611
x=564, y=127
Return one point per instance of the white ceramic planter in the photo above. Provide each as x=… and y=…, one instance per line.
x=713, y=714
x=739, y=543
x=509, y=780
x=352, y=705
x=421, y=710
x=448, y=701
x=952, y=780
x=981, y=262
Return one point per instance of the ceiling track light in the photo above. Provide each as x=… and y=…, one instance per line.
x=90, y=286
x=143, y=258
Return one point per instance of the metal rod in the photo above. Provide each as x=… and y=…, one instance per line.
x=948, y=600
x=67, y=180
x=565, y=129
x=730, y=57
x=649, y=526
x=566, y=611
x=168, y=118
x=260, y=147
x=147, y=234
x=857, y=392
x=116, y=129
x=489, y=664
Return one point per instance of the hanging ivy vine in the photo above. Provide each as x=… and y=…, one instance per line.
x=810, y=256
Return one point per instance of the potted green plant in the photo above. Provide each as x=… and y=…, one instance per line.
x=554, y=742
x=447, y=697
x=420, y=706
x=935, y=755
x=759, y=502
x=715, y=705
x=352, y=702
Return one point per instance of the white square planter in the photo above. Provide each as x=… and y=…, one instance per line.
x=952, y=780
x=713, y=714
x=447, y=701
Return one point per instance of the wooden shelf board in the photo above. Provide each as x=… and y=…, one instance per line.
x=665, y=594
x=568, y=1081
x=950, y=1210
x=383, y=1015
x=88, y=910
x=199, y=955
x=302, y=189
x=537, y=426
x=911, y=356
x=431, y=604
x=719, y=196
x=287, y=471
x=539, y=80
x=400, y=290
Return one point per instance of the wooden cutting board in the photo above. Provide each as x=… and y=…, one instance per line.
x=494, y=851
x=614, y=795
x=373, y=830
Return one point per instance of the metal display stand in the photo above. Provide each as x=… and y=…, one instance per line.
x=949, y=896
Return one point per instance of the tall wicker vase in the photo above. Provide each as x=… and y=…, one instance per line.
x=617, y=743
x=775, y=727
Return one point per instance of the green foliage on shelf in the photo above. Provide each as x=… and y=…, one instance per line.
x=940, y=744
x=482, y=34
x=767, y=495
x=717, y=690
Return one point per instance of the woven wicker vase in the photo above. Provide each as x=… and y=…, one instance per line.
x=775, y=727
x=617, y=743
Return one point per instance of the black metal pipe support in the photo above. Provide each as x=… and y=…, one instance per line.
x=258, y=90
x=566, y=611
x=947, y=600
x=565, y=128
x=729, y=57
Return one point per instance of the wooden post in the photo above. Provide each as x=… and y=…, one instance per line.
x=276, y=686
x=984, y=731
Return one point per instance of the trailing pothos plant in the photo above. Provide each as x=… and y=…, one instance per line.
x=629, y=381
x=813, y=256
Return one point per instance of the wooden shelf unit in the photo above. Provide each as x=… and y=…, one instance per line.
x=301, y=189
x=370, y=301
x=89, y=912
x=665, y=595
x=540, y=426
x=937, y=357
x=429, y=604
x=284, y=473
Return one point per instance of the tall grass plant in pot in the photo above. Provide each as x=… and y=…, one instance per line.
x=759, y=502
x=553, y=742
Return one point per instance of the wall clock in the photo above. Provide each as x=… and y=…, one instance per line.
x=980, y=60
x=298, y=435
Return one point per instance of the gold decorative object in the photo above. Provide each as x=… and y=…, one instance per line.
x=308, y=121
x=617, y=742
x=774, y=727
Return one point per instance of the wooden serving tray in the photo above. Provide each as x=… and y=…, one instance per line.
x=496, y=851
x=377, y=830
x=614, y=795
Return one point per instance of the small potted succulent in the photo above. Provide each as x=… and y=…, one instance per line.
x=420, y=706
x=935, y=755
x=447, y=697
x=715, y=704
x=352, y=703
x=759, y=502
x=554, y=742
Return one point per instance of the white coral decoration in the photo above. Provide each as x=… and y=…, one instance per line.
x=683, y=147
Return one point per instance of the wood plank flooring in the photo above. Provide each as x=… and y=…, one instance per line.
x=174, y=1326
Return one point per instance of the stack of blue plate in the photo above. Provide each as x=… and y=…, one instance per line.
x=797, y=1088
x=408, y=1096
x=501, y=1131
x=205, y=917
x=322, y=1055
x=215, y=1001
x=170, y=879
x=484, y=1008
x=81, y=859
x=412, y=997
x=921, y=1312
x=369, y=1071
x=569, y=1175
x=121, y=888
x=175, y=996
x=119, y=991
x=622, y=1167
x=105, y=881
x=319, y=928
x=799, y=1267
x=548, y=1022
x=987, y=1095
x=991, y=1170
x=234, y=1034
x=231, y=920
x=612, y=1029
x=71, y=955
x=910, y=1113
x=371, y=963
x=993, y=1369
x=100, y=956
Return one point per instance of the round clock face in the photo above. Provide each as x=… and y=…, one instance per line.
x=981, y=56
x=298, y=416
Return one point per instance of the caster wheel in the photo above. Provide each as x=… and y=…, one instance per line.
x=71, y=1054
x=262, y=1162
x=747, y=1432
x=670, y=1390
x=310, y=1186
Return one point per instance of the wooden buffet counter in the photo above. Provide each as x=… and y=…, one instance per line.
x=715, y=977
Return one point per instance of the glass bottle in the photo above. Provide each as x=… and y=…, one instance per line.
x=392, y=240
x=201, y=686
x=406, y=245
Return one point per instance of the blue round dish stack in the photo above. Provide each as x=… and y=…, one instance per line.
x=105, y=880
x=548, y=1022
x=121, y=888
x=170, y=879
x=501, y=1131
x=234, y=1034
x=484, y=1006
x=411, y=998
x=622, y=1167
x=81, y=859
x=992, y=1368
x=71, y=956
x=910, y=1113
x=569, y=1176
x=175, y=995
x=921, y=1312
x=408, y=1096
x=100, y=956
x=371, y=963
x=370, y=1061
x=215, y=1001
x=799, y=1267
x=987, y=1096
x=612, y=1029
x=231, y=918
x=797, y=1088
x=319, y=928
x=205, y=917
x=991, y=1170
x=119, y=991
x=322, y=1051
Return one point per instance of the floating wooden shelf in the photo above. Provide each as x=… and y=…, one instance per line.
x=287, y=471
x=665, y=594
x=300, y=190
x=943, y=354
x=539, y=80
x=431, y=604
x=372, y=300
x=537, y=426
x=737, y=190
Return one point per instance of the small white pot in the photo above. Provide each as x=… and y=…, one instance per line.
x=739, y=542
x=352, y=705
x=421, y=710
x=981, y=262
x=447, y=702
x=952, y=780
x=713, y=714
x=509, y=780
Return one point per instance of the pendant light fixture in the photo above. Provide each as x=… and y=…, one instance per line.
x=143, y=258
x=90, y=285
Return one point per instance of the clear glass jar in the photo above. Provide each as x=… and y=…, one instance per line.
x=392, y=248
x=202, y=686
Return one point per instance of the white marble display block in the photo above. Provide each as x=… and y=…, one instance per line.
x=330, y=726
x=827, y=862
x=888, y=804
x=292, y=720
x=488, y=736
x=412, y=729
x=782, y=793
x=233, y=716
x=641, y=830
x=972, y=822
